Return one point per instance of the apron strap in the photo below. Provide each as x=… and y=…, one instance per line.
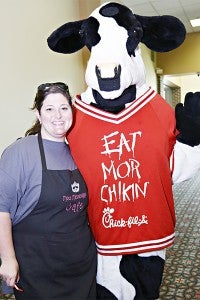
x=44, y=165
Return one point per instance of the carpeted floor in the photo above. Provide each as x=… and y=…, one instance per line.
x=181, y=280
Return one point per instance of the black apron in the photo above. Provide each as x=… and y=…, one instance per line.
x=53, y=244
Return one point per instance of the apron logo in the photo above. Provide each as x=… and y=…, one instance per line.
x=75, y=187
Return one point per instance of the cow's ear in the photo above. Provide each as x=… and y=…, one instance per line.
x=162, y=33
x=67, y=38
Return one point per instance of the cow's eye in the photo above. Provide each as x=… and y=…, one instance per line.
x=81, y=32
x=135, y=33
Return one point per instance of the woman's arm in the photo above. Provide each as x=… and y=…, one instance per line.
x=9, y=269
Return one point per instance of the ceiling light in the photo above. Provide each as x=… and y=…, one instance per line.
x=195, y=22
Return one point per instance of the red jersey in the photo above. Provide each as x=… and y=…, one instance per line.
x=124, y=159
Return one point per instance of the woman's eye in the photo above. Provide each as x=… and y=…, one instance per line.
x=65, y=108
x=48, y=109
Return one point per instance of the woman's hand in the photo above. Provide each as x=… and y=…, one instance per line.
x=9, y=271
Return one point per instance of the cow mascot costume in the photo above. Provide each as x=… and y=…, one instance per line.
x=128, y=145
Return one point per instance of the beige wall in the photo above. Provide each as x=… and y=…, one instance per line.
x=187, y=83
x=26, y=61
x=149, y=66
x=183, y=60
x=87, y=6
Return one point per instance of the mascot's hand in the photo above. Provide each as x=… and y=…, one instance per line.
x=188, y=119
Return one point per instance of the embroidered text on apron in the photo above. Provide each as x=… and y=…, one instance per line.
x=53, y=244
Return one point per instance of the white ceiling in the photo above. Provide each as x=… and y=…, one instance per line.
x=185, y=10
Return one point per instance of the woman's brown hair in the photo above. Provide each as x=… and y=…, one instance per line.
x=43, y=91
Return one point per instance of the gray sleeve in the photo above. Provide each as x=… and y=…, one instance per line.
x=8, y=193
x=10, y=165
x=20, y=178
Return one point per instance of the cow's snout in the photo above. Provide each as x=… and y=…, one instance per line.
x=107, y=70
x=108, y=75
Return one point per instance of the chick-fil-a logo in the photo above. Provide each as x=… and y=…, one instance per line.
x=108, y=220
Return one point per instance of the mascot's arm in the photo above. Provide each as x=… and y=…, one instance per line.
x=187, y=148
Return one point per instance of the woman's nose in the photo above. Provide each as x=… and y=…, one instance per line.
x=58, y=114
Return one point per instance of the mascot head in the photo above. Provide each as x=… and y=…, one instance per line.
x=115, y=70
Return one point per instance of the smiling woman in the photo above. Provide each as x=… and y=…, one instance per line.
x=55, y=117
x=37, y=175
x=45, y=104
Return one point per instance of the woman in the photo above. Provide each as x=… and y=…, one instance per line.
x=46, y=246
